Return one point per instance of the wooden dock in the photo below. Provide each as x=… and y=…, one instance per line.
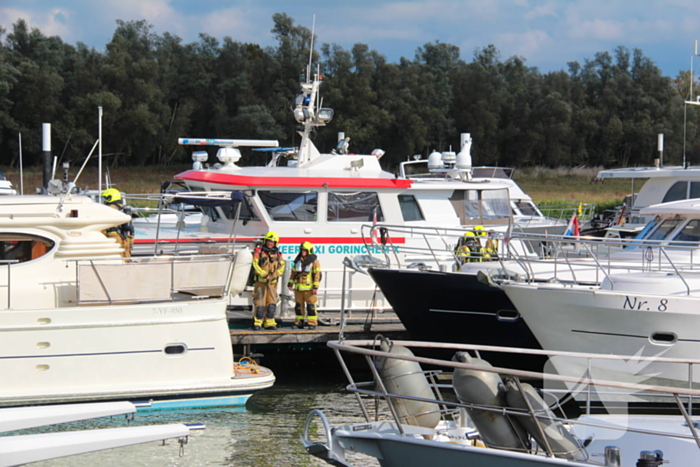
x=360, y=326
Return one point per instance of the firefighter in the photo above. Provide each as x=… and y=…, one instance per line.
x=470, y=248
x=268, y=265
x=490, y=250
x=304, y=280
x=123, y=234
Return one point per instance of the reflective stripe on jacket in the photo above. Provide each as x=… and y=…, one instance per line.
x=267, y=262
x=305, y=277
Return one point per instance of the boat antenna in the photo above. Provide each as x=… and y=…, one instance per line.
x=311, y=49
x=21, y=174
x=690, y=101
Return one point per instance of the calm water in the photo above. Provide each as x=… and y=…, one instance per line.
x=264, y=433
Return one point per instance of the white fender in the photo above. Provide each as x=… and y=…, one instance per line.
x=407, y=379
x=241, y=270
x=562, y=442
x=485, y=388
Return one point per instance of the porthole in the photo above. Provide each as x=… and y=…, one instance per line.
x=507, y=315
x=663, y=338
x=175, y=350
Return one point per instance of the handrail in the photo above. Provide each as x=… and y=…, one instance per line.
x=366, y=349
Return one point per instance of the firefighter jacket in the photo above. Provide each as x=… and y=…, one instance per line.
x=306, y=273
x=268, y=264
x=125, y=230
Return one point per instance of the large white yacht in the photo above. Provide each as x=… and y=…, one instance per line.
x=80, y=323
x=325, y=198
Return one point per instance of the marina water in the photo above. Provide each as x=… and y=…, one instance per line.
x=264, y=433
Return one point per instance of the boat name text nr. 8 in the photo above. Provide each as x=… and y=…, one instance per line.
x=634, y=303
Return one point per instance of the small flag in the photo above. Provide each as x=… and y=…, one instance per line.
x=375, y=230
x=572, y=230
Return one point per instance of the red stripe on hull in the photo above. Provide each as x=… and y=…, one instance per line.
x=292, y=182
x=283, y=240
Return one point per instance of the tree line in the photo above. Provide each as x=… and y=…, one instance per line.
x=154, y=88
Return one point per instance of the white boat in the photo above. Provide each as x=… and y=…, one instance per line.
x=466, y=412
x=80, y=323
x=660, y=185
x=20, y=448
x=647, y=311
x=325, y=198
x=480, y=314
x=6, y=187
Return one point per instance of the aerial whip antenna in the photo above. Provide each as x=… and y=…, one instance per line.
x=311, y=50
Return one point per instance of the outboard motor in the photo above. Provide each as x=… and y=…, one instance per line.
x=497, y=430
x=407, y=379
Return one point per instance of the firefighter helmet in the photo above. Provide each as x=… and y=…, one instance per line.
x=111, y=195
x=479, y=231
x=272, y=236
x=306, y=246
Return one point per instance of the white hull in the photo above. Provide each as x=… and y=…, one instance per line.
x=119, y=352
x=595, y=320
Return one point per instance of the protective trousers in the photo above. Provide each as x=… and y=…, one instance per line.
x=125, y=243
x=305, y=307
x=265, y=303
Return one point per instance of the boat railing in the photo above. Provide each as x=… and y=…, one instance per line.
x=152, y=279
x=422, y=247
x=451, y=410
x=587, y=260
x=564, y=212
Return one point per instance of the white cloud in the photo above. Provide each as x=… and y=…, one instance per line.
x=548, y=9
x=597, y=29
x=447, y=12
x=53, y=22
x=525, y=44
x=233, y=22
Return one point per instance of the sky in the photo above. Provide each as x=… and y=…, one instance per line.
x=546, y=33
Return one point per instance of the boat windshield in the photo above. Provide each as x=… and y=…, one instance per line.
x=665, y=228
x=689, y=233
x=527, y=208
x=487, y=204
x=286, y=206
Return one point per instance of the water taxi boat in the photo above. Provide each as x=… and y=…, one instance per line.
x=325, y=198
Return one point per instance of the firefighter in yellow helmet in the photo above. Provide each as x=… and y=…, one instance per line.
x=268, y=265
x=123, y=234
x=305, y=280
x=490, y=250
x=470, y=248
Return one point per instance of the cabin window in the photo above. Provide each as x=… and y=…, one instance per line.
x=494, y=204
x=291, y=206
x=678, y=191
x=248, y=212
x=410, y=209
x=666, y=227
x=359, y=206
x=694, y=190
x=527, y=208
x=689, y=233
x=21, y=247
